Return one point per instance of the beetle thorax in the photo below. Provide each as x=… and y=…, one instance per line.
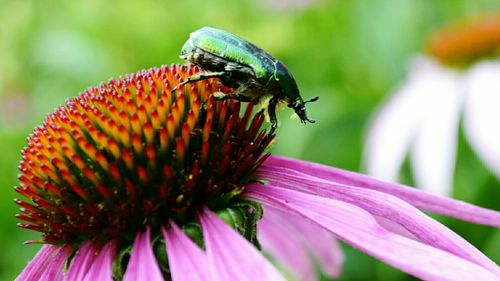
x=289, y=91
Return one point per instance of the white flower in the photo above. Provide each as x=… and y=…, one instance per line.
x=423, y=116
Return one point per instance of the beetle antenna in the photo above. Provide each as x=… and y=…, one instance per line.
x=312, y=100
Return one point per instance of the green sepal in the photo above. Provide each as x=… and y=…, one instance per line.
x=122, y=257
x=160, y=253
x=243, y=216
x=193, y=231
x=121, y=260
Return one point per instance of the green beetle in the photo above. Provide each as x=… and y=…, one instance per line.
x=254, y=74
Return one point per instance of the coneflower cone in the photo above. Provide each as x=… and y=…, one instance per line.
x=129, y=155
x=466, y=42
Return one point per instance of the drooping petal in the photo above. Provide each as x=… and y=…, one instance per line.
x=358, y=228
x=102, y=267
x=298, y=245
x=143, y=264
x=481, y=113
x=400, y=120
x=434, y=151
x=233, y=256
x=187, y=262
x=284, y=244
x=386, y=206
x=82, y=261
x=38, y=265
x=420, y=199
x=324, y=247
x=55, y=270
x=326, y=250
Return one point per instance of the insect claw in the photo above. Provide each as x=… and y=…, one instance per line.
x=273, y=128
x=305, y=120
x=312, y=100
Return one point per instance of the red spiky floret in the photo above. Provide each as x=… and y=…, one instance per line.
x=129, y=153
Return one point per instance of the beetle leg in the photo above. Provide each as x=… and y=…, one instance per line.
x=238, y=97
x=198, y=77
x=271, y=109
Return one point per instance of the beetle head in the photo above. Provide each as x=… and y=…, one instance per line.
x=300, y=109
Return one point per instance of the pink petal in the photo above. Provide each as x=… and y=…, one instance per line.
x=324, y=247
x=290, y=251
x=55, y=270
x=296, y=249
x=82, y=261
x=233, y=256
x=38, y=265
x=395, y=227
x=430, y=202
x=187, y=262
x=143, y=264
x=358, y=228
x=383, y=205
x=102, y=267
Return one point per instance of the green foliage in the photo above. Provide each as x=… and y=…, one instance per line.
x=350, y=53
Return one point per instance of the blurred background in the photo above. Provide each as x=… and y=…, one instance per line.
x=351, y=53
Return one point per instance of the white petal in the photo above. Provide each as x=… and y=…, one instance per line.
x=434, y=150
x=396, y=122
x=482, y=113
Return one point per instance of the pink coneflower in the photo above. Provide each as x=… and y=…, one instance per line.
x=127, y=181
